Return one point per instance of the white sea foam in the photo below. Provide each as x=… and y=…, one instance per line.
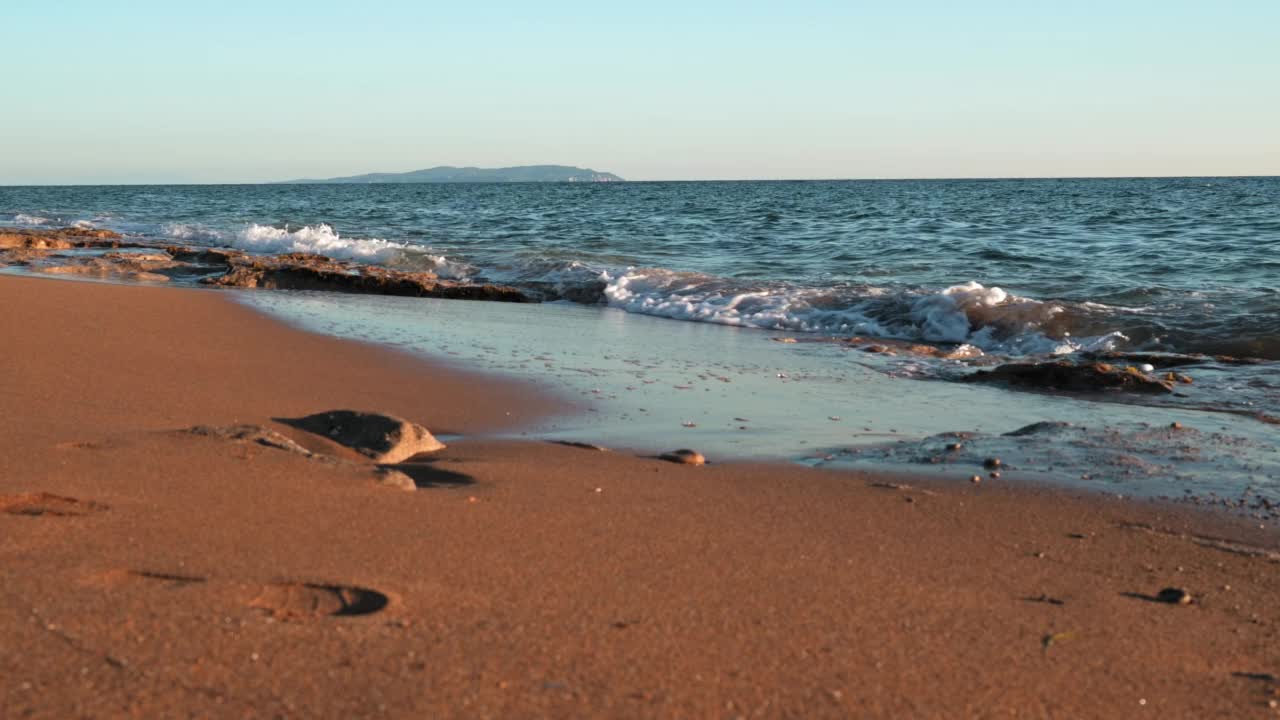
x=191, y=233
x=989, y=318
x=322, y=239
x=25, y=219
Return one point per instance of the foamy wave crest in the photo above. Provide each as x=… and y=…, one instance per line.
x=322, y=239
x=986, y=317
x=25, y=219
x=693, y=296
x=191, y=233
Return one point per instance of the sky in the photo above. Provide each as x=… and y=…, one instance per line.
x=159, y=92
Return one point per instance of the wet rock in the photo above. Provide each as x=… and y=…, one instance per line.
x=382, y=438
x=299, y=271
x=104, y=270
x=60, y=238
x=1174, y=596
x=1168, y=360
x=684, y=456
x=1039, y=427
x=1064, y=375
x=954, y=447
x=992, y=463
x=22, y=256
x=975, y=479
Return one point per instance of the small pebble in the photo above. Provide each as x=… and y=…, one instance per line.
x=952, y=447
x=975, y=479
x=991, y=463
x=995, y=474
x=1175, y=425
x=684, y=456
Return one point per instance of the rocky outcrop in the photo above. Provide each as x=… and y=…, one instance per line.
x=230, y=268
x=385, y=439
x=1067, y=376
x=299, y=271
x=60, y=239
x=137, y=267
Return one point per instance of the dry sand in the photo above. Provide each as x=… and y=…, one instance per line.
x=171, y=575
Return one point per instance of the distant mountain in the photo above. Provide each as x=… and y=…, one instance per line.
x=446, y=174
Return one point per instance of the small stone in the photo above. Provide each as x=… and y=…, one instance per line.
x=953, y=447
x=1175, y=426
x=975, y=479
x=684, y=456
x=992, y=463
x=1174, y=596
x=395, y=479
x=995, y=474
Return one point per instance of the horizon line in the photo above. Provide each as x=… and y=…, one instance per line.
x=625, y=181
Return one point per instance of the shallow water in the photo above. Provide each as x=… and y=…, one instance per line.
x=652, y=385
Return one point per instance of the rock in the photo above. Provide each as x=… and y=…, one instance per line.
x=1064, y=375
x=684, y=456
x=1039, y=427
x=975, y=479
x=100, y=267
x=1174, y=596
x=300, y=271
x=580, y=445
x=392, y=478
x=954, y=447
x=382, y=438
x=995, y=474
x=992, y=463
x=60, y=238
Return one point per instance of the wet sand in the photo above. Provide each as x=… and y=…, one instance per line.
x=166, y=574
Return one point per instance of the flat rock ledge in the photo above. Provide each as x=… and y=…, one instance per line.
x=1067, y=376
x=39, y=251
x=384, y=439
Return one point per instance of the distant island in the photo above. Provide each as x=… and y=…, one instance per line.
x=447, y=174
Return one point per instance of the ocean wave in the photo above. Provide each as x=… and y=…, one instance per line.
x=27, y=219
x=191, y=233
x=986, y=317
x=322, y=239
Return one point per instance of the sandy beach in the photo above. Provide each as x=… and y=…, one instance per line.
x=150, y=572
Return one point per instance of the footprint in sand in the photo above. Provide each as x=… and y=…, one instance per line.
x=305, y=601
x=286, y=600
x=42, y=504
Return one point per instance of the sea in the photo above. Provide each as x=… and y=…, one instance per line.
x=716, y=315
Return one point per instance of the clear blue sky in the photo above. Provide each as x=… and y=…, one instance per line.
x=160, y=92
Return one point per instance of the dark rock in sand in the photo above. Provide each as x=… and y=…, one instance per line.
x=992, y=463
x=1064, y=375
x=684, y=456
x=299, y=271
x=382, y=438
x=1174, y=596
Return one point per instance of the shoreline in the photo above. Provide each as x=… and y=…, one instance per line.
x=534, y=579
